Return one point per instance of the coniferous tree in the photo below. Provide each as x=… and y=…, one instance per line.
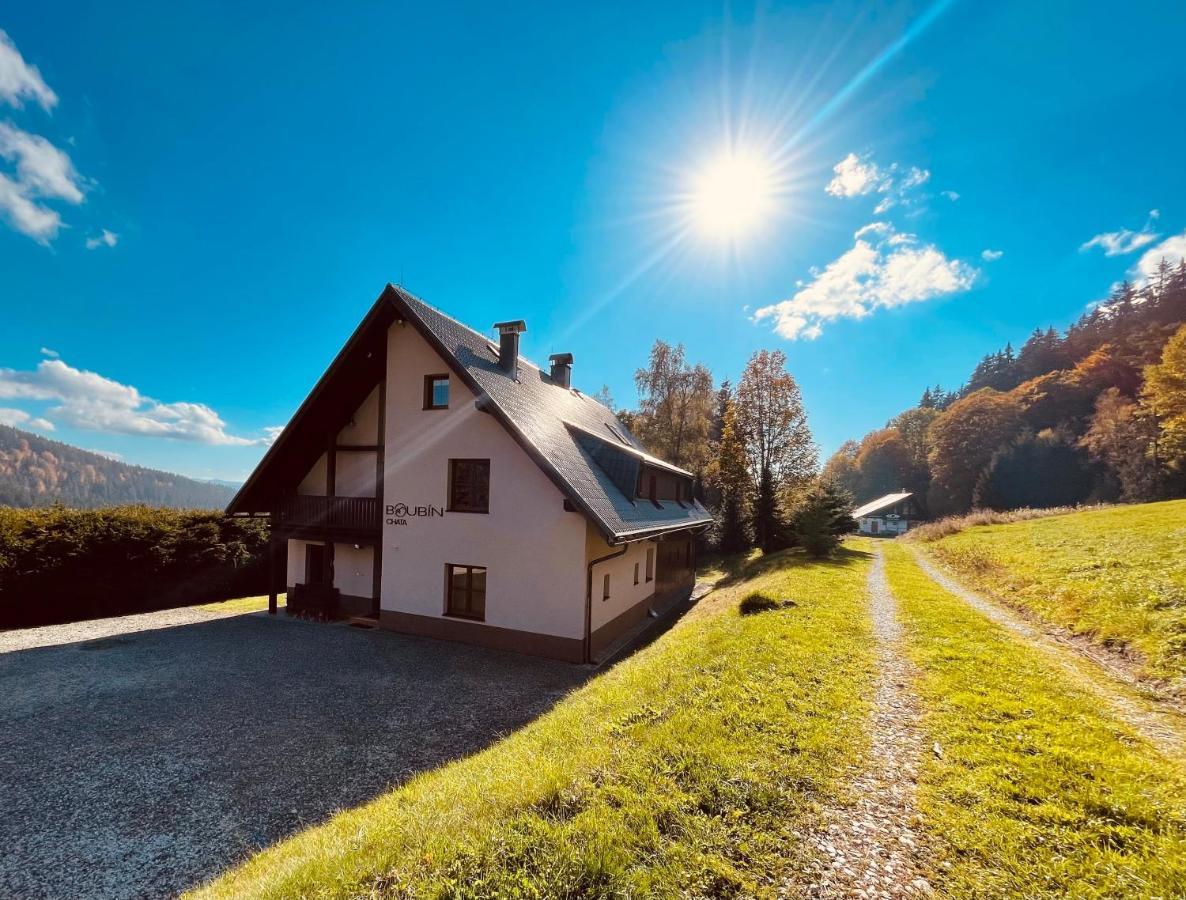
x=733, y=486
x=822, y=518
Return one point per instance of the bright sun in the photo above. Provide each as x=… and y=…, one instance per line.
x=732, y=195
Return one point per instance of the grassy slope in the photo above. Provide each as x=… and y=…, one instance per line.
x=243, y=604
x=1118, y=574
x=1039, y=791
x=688, y=769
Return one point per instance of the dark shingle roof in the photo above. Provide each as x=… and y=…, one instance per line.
x=568, y=433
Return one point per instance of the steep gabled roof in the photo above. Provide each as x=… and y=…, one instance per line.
x=874, y=506
x=558, y=427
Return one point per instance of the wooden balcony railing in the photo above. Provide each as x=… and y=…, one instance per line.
x=330, y=513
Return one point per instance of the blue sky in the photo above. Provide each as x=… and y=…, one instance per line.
x=199, y=201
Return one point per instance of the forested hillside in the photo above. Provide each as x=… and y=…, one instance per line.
x=35, y=471
x=1095, y=413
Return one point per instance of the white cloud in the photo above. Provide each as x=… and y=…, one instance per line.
x=884, y=268
x=40, y=172
x=52, y=354
x=20, y=81
x=950, y=195
x=855, y=176
x=107, y=453
x=271, y=432
x=22, y=419
x=103, y=239
x=991, y=255
x=90, y=401
x=1172, y=250
x=1118, y=243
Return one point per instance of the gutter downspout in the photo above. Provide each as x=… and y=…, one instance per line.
x=588, y=649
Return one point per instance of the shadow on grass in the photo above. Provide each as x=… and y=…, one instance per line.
x=742, y=568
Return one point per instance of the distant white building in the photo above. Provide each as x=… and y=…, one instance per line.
x=891, y=514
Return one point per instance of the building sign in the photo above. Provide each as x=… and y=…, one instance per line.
x=399, y=513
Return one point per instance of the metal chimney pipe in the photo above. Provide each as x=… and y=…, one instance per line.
x=508, y=344
x=561, y=372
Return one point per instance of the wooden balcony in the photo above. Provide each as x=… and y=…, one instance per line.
x=351, y=515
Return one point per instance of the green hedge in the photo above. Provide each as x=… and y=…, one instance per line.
x=61, y=565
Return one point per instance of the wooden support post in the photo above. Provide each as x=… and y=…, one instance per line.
x=273, y=557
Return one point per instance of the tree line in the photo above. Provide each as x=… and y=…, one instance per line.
x=35, y=471
x=1096, y=413
x=749, y=447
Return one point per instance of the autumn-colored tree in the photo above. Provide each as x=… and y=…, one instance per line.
x=963, y=441
x=841, y=468
x=1165, y=395
x=1121, y=437
x=675, y=408
x=884, y=463
x=778, y=442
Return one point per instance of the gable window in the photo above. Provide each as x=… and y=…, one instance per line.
x=636, y=573
x=436, y=391
x=605, y=588
x=465, y=592
x=469, y=485
x=650, y=563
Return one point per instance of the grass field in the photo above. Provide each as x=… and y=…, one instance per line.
x=242, y=604
x=690, y=769
x=1039, y=791
x=1116, y=574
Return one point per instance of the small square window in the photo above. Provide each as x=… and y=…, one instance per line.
x=436, y=391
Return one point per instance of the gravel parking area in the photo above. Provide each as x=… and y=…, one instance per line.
x=140, y=756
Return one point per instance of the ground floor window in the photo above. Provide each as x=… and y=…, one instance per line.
x=465, y=589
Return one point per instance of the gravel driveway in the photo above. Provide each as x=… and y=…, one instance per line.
x=139, y=756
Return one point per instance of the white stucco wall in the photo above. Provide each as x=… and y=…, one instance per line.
x=624, y=593
x=365, y=428
x=296, y=561
x=314, y=483
x=354, y=473
x=533, y=550
x=354, y=571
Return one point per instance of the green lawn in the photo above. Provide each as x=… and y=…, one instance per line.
x=690, y=769
x=1039, y=791
x=242, y=604
x=1116, y=574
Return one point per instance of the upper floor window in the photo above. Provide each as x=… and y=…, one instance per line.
x=436, y=391
x=650, y=563
x=469, y=485
x=605, y=587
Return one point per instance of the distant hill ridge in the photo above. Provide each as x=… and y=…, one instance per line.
x=35, y=471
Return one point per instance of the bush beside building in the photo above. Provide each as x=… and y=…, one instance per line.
x=61, y=565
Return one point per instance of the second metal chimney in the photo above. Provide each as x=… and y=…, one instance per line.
x=508, y=344
x=561, y=369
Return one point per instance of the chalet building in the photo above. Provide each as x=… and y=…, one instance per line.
x=892, y=514
x=436, y=483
